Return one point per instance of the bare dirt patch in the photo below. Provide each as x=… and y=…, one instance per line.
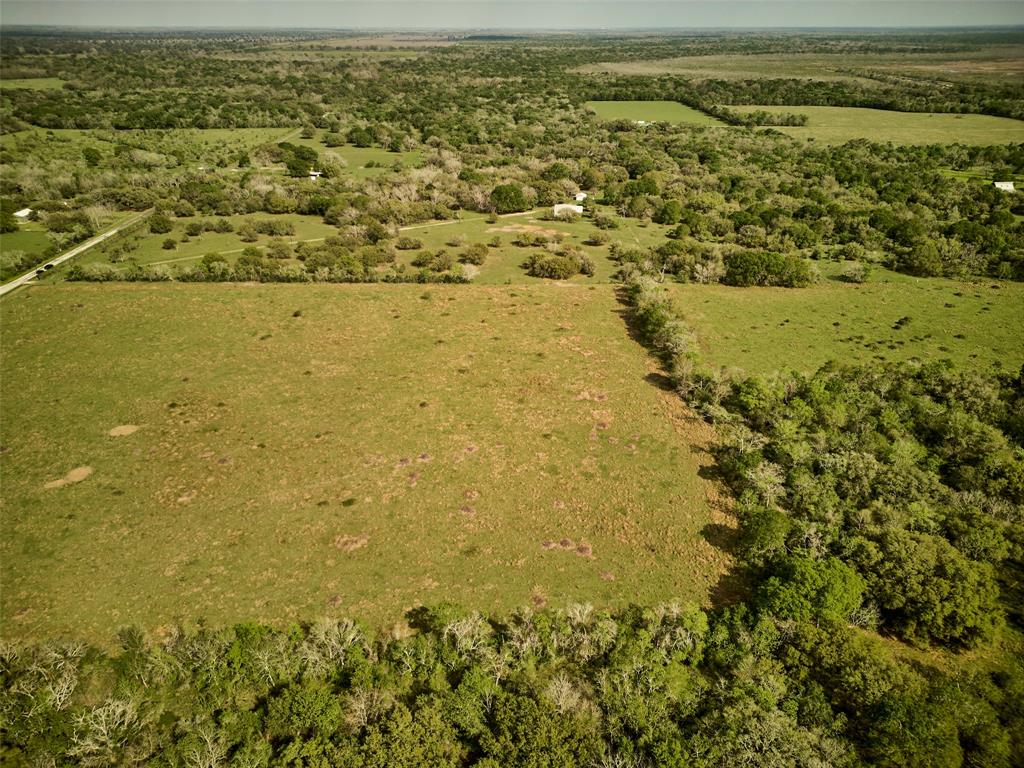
x=123, y=430
x=533, y=229
x=348, y=543
x=76, y=475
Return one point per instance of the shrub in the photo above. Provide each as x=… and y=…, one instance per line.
x=408, y=244
x=747, y=268
x=476, y=254
x=160, y=224
x=551, y=266
x=170, y=244
x=855, y=272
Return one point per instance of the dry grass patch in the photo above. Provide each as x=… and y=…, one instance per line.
x=377, y=452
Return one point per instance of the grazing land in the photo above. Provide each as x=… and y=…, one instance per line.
x=764, y=330
x=992, y=62
x=35, y=83
x=343, y=449
x=836, y=125
x=336, y=450
x=651, y=112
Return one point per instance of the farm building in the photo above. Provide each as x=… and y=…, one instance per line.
x=581, y=196
x=563, y=208
x=1004, y=186
x=24, y=213
x=314, y=175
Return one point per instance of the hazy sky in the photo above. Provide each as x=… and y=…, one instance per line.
x=506, y=14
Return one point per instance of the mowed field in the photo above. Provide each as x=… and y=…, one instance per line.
x=762, y=330
x=836, y=125
x=34, y=83
x=227, y=452
x=651, y=112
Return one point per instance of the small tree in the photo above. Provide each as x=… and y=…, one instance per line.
x=508, y=198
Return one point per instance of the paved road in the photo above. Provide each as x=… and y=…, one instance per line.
x=17, y=283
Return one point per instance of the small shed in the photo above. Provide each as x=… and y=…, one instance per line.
x=581, y=196
x=564, y=208
x=314, y=175
x=24, y=213
x=1002, y=186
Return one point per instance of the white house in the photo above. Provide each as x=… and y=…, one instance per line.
x=581, y=196
x=314, y=175
x=564, y=208
x=24, y=213
x=1002, y=186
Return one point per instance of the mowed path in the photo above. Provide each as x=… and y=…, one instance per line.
x=336, y=450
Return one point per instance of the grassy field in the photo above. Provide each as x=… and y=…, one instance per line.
x=651, y=112
x=835, y=125
x=503, y=264
x=735, y=66
x=148, y=248
x=30, y=238
x=336, y=450
x=34, y=83
x=357, y=158
x=993, y=63
x=761, y=330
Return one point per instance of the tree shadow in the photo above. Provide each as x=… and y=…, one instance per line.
x=734, y=585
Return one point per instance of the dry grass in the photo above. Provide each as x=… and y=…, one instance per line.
x=393, y=445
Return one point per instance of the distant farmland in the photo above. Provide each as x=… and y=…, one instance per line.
x=836, y=125
x=276, y=452
x=651, y=112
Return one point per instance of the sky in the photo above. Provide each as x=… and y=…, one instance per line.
x=512, y=14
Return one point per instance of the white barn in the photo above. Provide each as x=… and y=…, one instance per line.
x=24, y=213
x=563, y=208
x=1004, y=186
x=581, y=196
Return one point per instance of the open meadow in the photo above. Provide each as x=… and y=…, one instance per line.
x=275, y=452
x=836, y=125
x=651, y=112
x=891, y=317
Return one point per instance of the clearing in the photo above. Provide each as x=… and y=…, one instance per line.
x=761, y=330
x=651, y=112
x=337, y=450
x=836, y=125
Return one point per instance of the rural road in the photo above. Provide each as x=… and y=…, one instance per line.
x=31, y=275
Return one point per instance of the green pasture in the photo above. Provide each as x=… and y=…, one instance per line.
x=504, y=261
x=147, y=248
x=651, y=112
x=32, y=83
x=836, y=125
x=336, y=450
x=502, y=266
x=356, y=158
x=761, y=330
x=28, y=238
